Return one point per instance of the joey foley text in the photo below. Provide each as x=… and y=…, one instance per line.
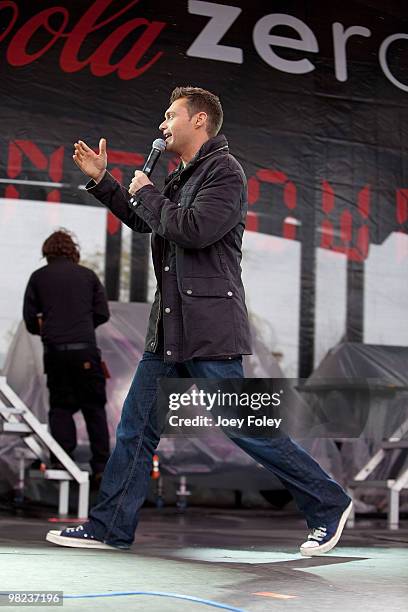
x=222, y=401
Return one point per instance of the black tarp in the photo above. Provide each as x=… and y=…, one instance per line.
x=362, y=388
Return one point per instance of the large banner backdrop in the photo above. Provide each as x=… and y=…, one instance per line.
x=315, y=97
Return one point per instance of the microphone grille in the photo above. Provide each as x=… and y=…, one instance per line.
x=159, y=144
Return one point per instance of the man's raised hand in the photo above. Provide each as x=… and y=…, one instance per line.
x=91, y=163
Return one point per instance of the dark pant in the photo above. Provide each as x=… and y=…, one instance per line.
x=76, y=381
x=126, y=478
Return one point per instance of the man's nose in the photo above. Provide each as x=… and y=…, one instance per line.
x=162, y=126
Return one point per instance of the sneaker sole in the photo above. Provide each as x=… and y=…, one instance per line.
x=55, y=537
x=324, y=548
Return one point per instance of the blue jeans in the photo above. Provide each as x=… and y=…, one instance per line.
x=127, y=474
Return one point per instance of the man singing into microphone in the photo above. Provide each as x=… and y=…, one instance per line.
x=198, y=324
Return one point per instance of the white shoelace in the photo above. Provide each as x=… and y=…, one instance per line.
x=80, y=528
x=319, y=533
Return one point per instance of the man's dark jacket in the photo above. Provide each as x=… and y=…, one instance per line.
x=197, y=225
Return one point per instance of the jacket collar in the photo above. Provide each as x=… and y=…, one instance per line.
x=59, y=259
x=211, y=146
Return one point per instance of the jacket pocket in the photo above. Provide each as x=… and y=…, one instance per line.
x=208, y=316
x=200, y=286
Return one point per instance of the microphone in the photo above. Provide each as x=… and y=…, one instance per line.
x=158, y=146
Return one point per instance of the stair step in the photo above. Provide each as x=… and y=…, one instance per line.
x=51, y=474
x=374, y=484
x=12, y=410
x=389, y=445
x=16, y=428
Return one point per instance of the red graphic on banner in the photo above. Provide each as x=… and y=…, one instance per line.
x=129, y=66
x=344, y=245
x=252, y=222
x=401, y=214
x=54, y=164
x=276, y=177
x=340, y=230
x=402, y=206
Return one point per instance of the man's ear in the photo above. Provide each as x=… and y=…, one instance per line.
x=200, y=119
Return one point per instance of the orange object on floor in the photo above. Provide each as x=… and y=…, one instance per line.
x=155, y=473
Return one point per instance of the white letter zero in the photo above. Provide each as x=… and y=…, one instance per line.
x=206, y=43
x=382, y=55
x=263, y=41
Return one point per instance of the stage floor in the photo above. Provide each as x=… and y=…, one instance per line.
x=240, y=559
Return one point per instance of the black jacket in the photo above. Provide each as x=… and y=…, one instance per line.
x=197, y=224
x=70, y=299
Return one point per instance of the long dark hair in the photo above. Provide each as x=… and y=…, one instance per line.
x=61, y=244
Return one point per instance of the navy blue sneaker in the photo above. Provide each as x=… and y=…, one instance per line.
x=322, y=539
x=76, y=537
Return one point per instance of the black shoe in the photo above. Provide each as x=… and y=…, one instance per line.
x=76, y=537
x=324, y=538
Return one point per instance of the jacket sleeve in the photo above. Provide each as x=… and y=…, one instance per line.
x=100, y=308
x=31, y=309
x=216, y=209
x=116, y=197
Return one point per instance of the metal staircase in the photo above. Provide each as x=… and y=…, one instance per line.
x=17, y=419
x=397, y=478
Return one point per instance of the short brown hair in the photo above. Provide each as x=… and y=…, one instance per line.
x=199, y=100
x=61, y=244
